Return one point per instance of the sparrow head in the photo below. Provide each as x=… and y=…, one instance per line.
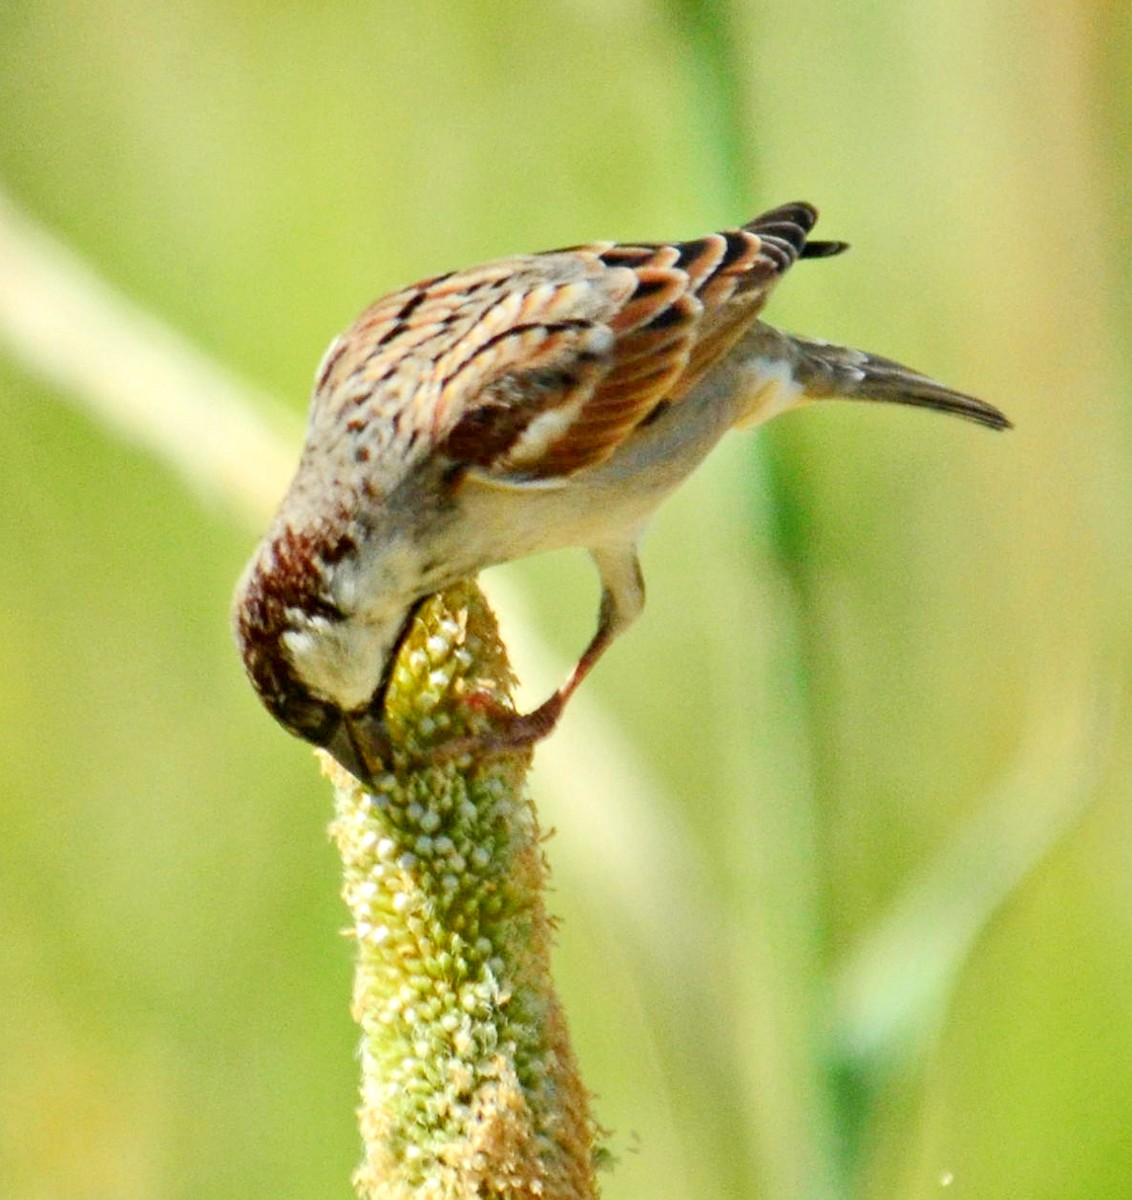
x=317, y=669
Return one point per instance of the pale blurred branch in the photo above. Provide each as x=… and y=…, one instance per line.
x=63, y=323
x=893, y=995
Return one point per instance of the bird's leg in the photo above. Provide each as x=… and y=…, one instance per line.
x=622, y=599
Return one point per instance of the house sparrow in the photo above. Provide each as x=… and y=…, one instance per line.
x=537, y=402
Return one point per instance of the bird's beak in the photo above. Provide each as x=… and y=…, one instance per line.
x=360, y=743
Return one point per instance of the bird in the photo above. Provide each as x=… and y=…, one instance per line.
x=533, y=403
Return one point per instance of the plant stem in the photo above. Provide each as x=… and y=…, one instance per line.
x=469, y=1084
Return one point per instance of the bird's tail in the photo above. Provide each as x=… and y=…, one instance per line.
x=815, y=370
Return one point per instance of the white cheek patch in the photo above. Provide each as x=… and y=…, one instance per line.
x=299, y=646
x=338, y=663
x=342, y=658
x=342, y=583
x=771, y=389
x=303, y=625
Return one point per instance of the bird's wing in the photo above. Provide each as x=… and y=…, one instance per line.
x=671, y=312
x=530, y=369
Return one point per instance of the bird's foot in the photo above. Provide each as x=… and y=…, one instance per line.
x=508, y=732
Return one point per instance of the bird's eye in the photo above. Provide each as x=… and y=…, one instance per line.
x=306, y=716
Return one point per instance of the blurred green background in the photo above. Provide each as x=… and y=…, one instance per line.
x=843, y=825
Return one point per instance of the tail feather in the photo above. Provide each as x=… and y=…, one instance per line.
x=823, y=371
x=790, y=225
x=823, y=249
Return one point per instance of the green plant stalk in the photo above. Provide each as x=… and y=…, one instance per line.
x=469, y=1084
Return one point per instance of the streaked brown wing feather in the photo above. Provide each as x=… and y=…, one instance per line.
x=557, y=392
x=528, y=385
x=671, y=336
